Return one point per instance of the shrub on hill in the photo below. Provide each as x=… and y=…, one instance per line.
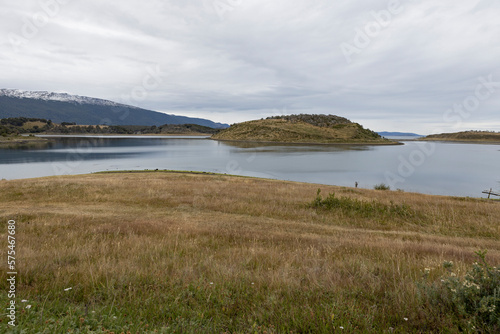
x=316, y=120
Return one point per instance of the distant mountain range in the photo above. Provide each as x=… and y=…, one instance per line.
x=397, y=134
x=60, y=107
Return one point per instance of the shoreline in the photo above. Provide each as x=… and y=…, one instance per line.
x=460, y=141
x=122, y=135
x=147, y=172
x=21, y=140
x=202, y=173
x=308, y=143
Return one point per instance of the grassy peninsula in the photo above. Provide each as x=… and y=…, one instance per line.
x=166, y=252
x=310, y=129
x=16, y=141
x=466, y=136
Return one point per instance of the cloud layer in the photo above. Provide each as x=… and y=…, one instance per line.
x=391, y=65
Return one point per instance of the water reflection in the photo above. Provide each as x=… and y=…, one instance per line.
x=62, y=149
x=88, y=148
x=297, y=148
x=27, y=145
x=16, y=156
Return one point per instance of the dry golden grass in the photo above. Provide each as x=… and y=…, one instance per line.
x=151, y=238
x=30, y=125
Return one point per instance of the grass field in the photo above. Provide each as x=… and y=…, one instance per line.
x=193, y=253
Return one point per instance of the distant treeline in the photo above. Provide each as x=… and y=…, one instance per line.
x=133, y=129
x=19, y=125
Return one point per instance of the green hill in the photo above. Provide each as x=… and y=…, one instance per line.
x=474, y=136
x=317, y=129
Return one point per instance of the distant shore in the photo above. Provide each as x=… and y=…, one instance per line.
x=461, y=141
x=45, y=138
x=473, y=137
x=21, y=140
x=124, y=135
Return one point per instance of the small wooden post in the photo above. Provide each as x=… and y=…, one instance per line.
x=491, y=192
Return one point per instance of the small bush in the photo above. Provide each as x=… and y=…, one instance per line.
x=317, y=120
x=362, y=208
x=474, y=298
x=382, y=186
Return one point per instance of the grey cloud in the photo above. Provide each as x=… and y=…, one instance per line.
x=254, y=58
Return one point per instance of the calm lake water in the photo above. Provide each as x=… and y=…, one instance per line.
x=433, y=168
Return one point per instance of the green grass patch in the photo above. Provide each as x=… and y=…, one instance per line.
x=353, y=206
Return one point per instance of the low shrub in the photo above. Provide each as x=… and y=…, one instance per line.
x=362, y=208
x=474, y=299
x=382, y=186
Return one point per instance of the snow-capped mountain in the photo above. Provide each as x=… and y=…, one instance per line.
x=62, y=107
x=62, y=97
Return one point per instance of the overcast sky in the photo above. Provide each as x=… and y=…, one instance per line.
x=423, y=66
